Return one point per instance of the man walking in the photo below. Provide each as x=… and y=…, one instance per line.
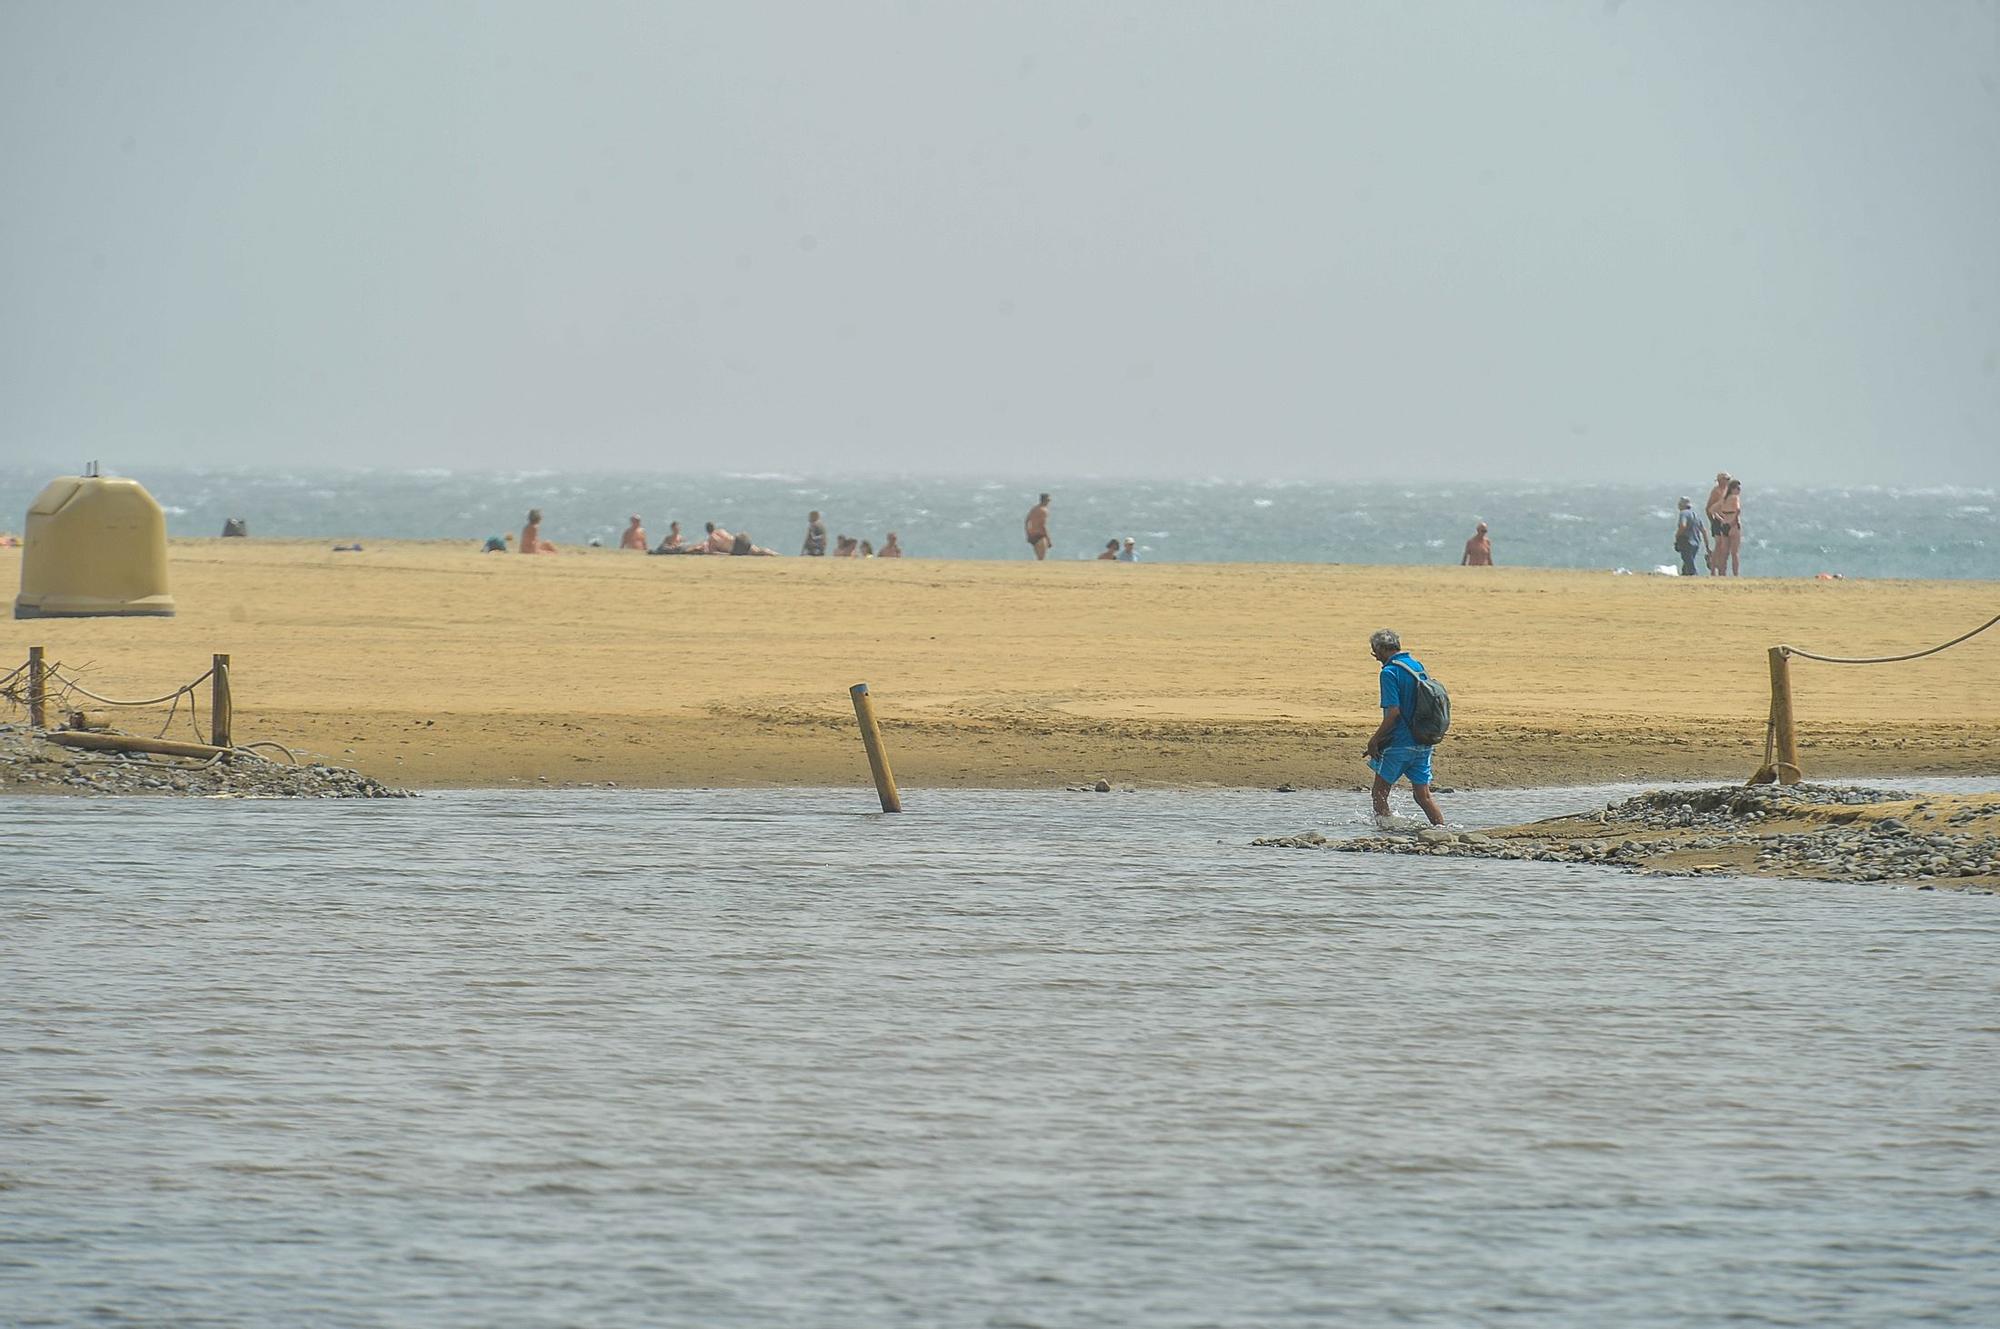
x=1393, y=752
x=1037, y=527
x=1689, y=536
x=815, y=537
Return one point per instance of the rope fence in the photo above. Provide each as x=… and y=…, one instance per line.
x=1781, y=741
x=40, y=684
x=1889, y=659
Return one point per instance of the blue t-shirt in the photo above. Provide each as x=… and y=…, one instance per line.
x=1399, y=689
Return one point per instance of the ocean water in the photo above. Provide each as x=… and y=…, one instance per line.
x=1789, y=531
x=769, y=1058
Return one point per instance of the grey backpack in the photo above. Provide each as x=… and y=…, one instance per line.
x=1430, y=710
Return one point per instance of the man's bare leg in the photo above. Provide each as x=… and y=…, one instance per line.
x=1422, y=793
x=1378, y=793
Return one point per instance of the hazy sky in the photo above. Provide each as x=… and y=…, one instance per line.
x=1564, y=238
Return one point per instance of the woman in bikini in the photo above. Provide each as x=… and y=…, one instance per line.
x=1729, y=549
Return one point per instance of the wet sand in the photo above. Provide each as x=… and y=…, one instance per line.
x=431, y=665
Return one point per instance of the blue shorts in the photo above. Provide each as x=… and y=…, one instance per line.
x=1395, y=763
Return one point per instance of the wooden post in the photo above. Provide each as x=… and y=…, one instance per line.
x=871, y=738
x=221, y=710
x=38, y=711
x=1786, y=762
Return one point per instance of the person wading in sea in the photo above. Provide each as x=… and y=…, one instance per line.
x=1393, y=751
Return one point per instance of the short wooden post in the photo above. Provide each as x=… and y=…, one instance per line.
x=871, y=738
x=221, y=709
x=38, y=710
x=1786, y=763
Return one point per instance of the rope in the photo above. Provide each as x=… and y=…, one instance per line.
x=1889, y=659
x=72, y=685
x=290, y=755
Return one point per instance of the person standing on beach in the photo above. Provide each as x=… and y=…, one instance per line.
x=1038, y=529
x=1393, y=751
x=890, y=549
x=634, y=536
x=1729, y=544
x=815, y=537
x=1690, y=536
x=1715, y=521
x=1478, y=550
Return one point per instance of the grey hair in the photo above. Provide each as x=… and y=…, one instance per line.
x=1385, y=637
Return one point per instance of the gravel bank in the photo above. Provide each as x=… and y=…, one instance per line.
x=30, y=764
x=1823, y=832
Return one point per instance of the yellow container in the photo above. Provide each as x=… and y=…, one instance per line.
x=94, y=545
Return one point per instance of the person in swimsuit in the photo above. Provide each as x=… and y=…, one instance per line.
x=1110, y=554
x=1037, y=527
x=634, y=536
x=531, y=535
x=1478, y=550
x=719, y=541
x=844, y=546
x=815, y=537
x=890, y=549
x=1729, y=546
x=1715, y=521
x=742, y=547
x=670, y=543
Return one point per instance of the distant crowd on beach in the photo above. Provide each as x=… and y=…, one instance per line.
x=1715, y=536
x=714, y=539
x=1036, y=527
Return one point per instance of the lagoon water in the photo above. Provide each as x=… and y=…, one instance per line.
x=766, y=1058
x=1789, y=530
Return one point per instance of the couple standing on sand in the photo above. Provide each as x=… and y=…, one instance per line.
x=1725, y=524
x=1721, y=538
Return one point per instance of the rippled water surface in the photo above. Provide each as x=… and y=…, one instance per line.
x=1009, y=1059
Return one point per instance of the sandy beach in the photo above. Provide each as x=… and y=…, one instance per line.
x=431, y=665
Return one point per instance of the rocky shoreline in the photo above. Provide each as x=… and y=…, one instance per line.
x=30, y=763
x=1821, y=832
